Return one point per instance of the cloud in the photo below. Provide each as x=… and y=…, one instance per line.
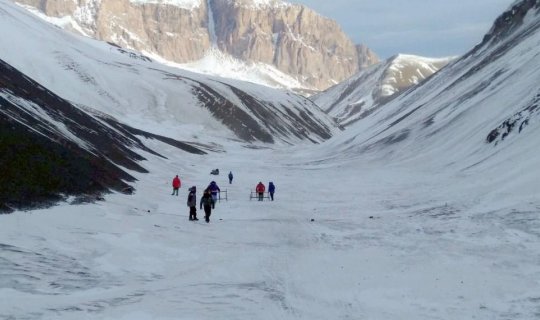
x=424, y=27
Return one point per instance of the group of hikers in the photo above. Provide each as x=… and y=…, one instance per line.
x=260, y=189
x=210, y=196
x=208, y=201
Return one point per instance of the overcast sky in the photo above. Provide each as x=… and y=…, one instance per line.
x=432, y=28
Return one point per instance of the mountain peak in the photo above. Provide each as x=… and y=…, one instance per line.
x=519, y=13
x=372, y=87
x=274, y=34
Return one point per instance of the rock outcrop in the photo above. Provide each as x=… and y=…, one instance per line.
x=366, y=56
x=293, y=38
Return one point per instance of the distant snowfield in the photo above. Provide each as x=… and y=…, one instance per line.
x=393, y=243
x=217, y=63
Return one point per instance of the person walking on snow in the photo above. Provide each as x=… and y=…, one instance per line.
x=207, y=202
x=214, y=189
x=230, y=177
x=271, y=190
x=192, y=204
x=176, y=183
x=260, y=190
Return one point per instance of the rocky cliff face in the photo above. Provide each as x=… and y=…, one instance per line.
x=366, y=56
x=293, y=38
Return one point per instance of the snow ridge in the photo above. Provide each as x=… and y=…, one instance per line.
x=218, y=63
x=362, y=94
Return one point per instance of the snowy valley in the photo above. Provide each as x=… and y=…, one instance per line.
x=426, y=207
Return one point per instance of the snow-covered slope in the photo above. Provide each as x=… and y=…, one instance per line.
x=217, y=63
x=372, y=87
x=410, y=214
x=477, y=115
x=51, y=149
x=129, y=86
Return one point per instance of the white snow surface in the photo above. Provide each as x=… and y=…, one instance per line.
x=217, y=63
x=409, y=214
x=394, y=242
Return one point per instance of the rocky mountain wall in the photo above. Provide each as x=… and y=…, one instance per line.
x=293, y=38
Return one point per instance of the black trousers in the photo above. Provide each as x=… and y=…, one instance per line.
x=261, y=195
x=207, y=213
x=192, y=213
x=272, y=196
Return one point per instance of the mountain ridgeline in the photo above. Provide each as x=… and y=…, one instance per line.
x=371, y=88
x=478, y=115
x=292, y=38
x=51, y=149
x=58, y=113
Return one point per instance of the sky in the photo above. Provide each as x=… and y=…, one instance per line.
x=432, y=28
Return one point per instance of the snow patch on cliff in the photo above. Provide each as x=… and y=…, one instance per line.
x=185, y=4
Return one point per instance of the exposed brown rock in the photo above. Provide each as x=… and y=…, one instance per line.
x=293, y=38
x=366, y=57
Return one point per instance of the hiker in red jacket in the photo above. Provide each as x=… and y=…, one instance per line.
x=176, y=185
x=260, y=190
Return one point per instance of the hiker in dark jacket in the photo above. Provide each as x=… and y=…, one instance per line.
x=192, y=204
x=207, y=202
x=230, y=177
x=271, y=190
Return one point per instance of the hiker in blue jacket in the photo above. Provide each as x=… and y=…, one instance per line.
x=214, y=189
x=271, y=190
